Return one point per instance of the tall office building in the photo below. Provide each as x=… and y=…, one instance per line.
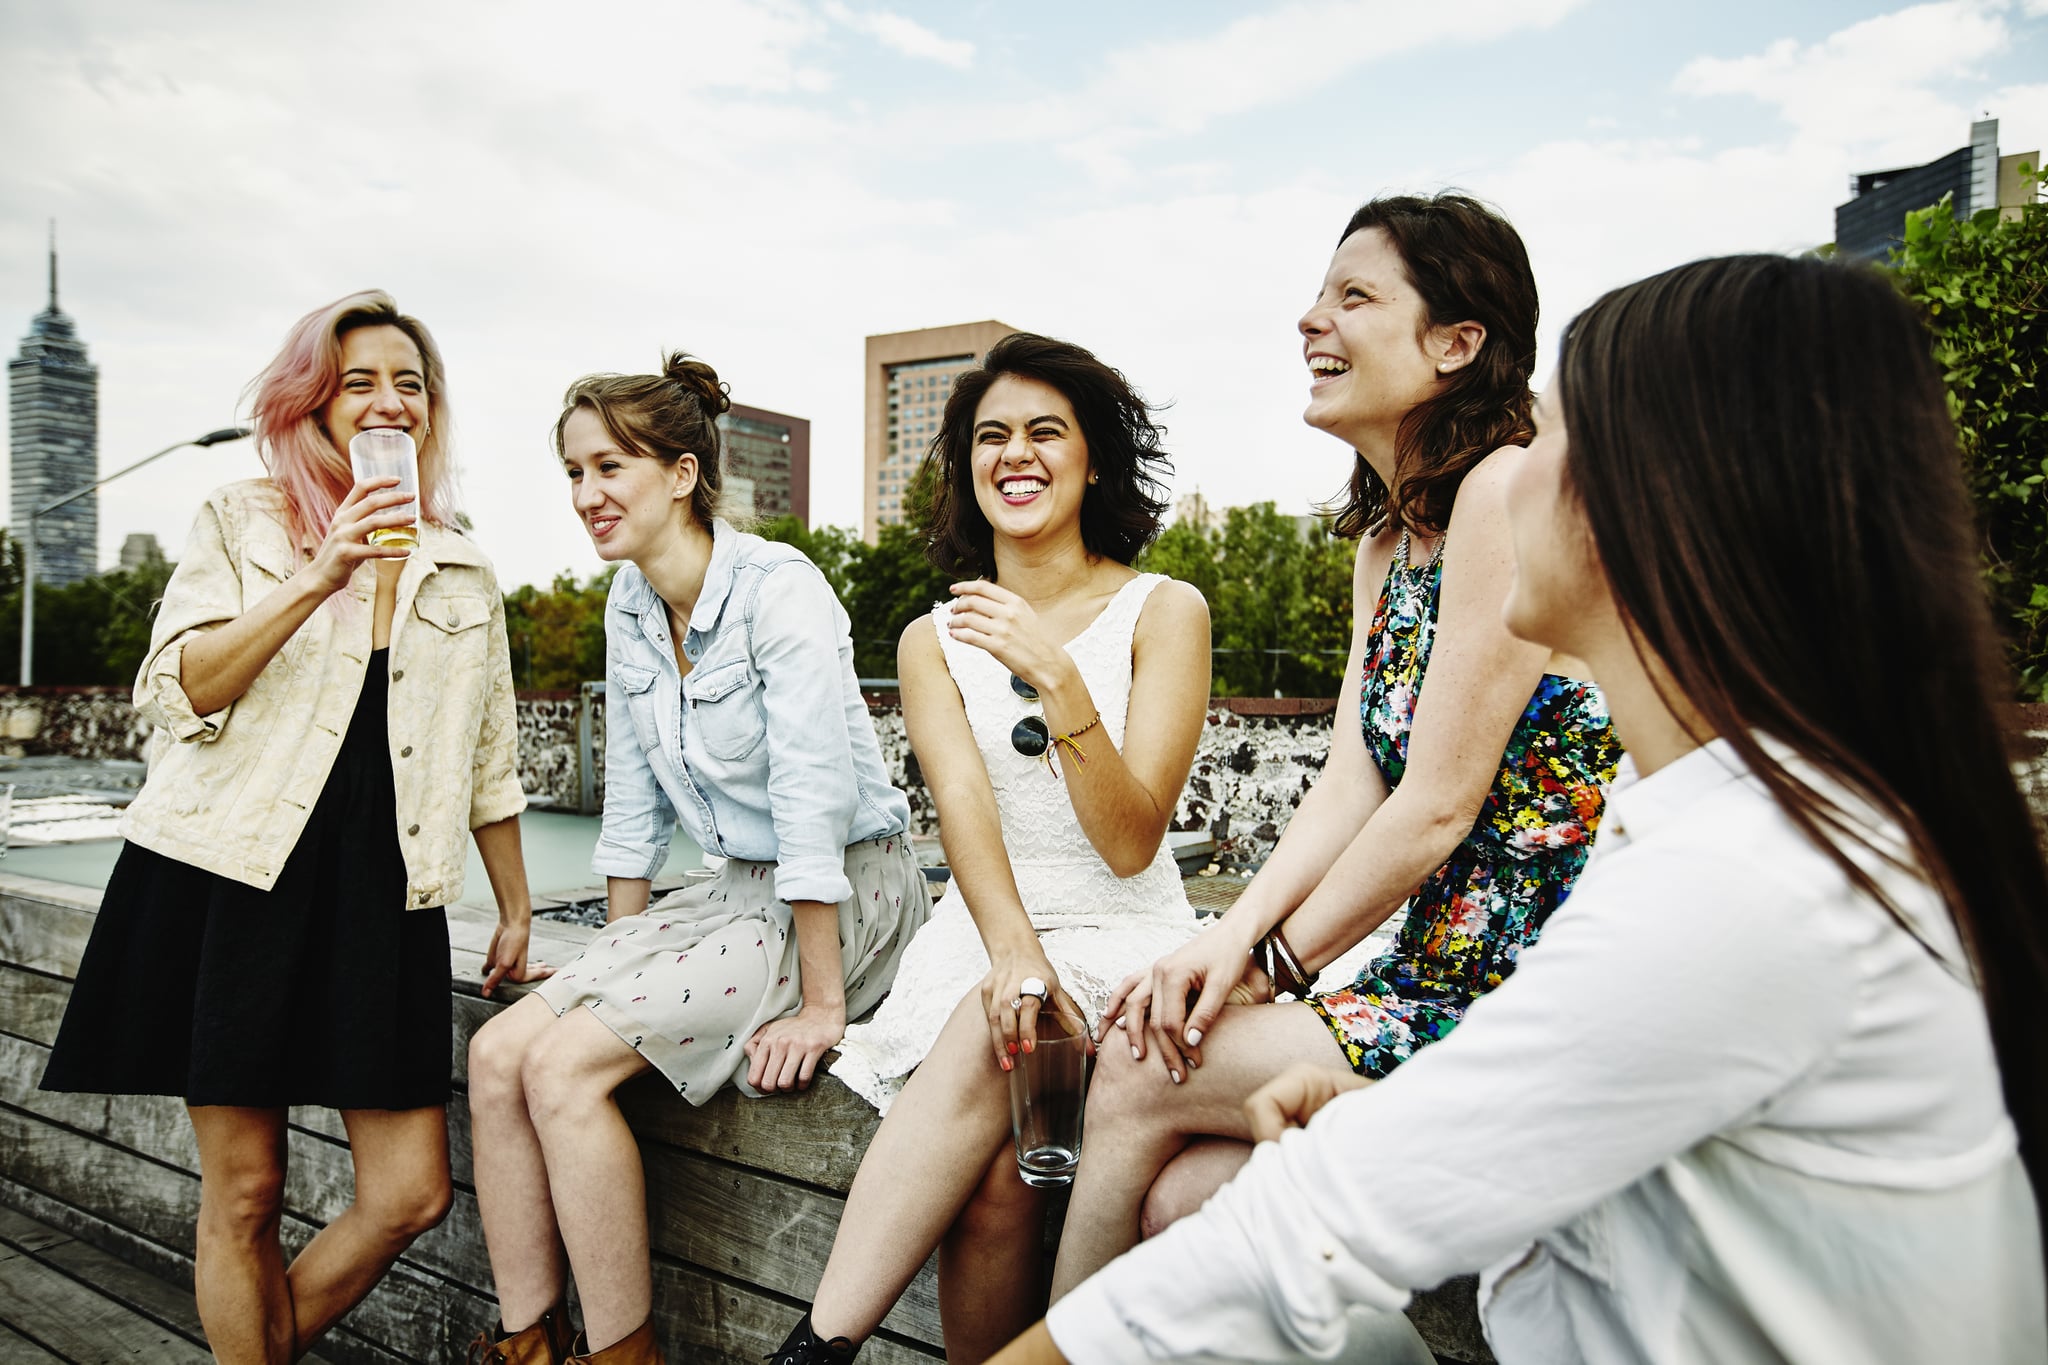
x=772, y=452
x=53, y=426
x=1874, y=219
x=909, y=375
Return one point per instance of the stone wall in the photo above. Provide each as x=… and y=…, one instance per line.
x=1256, y=757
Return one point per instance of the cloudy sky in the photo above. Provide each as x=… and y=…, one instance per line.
x=557, y=189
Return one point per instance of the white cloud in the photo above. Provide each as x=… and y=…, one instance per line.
x=1868, y=85
x=903, y=35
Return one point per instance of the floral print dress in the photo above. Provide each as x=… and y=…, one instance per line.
x=1468, y=922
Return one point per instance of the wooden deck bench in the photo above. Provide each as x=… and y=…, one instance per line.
x=744, y=1194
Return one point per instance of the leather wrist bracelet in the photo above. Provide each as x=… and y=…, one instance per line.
x=1282, y=967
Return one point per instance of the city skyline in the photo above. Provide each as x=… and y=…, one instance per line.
x=1162, y=184
x=53, y=442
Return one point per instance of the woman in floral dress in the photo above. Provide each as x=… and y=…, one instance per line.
x=1467, y=802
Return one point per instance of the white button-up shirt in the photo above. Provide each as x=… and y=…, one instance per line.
x=1726, y=1110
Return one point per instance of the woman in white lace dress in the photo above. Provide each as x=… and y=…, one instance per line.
x=1054, y=706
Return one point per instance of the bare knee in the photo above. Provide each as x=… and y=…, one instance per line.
x=1125, y=1090
x=245, y=1202
x=1171, y=1198
x=402, y=1208
x=1187, y=1181
x=497, y=1055
x=556, y=1080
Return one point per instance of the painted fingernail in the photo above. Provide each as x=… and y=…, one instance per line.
x=1005, y=1061
x=1175, y=1075
x=1135, y=1054
x=1029, y=1044
x=1012, y=1047
x=1194, y=1062
x=1194, y=1037
x=1119, y=1021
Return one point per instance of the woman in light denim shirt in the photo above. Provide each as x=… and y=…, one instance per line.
x=731, y=704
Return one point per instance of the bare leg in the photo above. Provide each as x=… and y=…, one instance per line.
x=990, y=1285
x=402, y=1190
x=528, y=1263
x=238, y=1276
x=926, y=1160
x=1203, y=1167
x=598, y=1186
x=1138, y=1121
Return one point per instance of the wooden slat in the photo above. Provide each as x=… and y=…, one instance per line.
x=31, y=1004
x=46, y=935
x=708, y=1320
x=410, y=1314
x=63, y=1315
x=19, y=1350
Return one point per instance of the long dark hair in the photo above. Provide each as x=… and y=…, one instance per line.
x=1763, y=450
x=1468, y=264
x=1121, y=511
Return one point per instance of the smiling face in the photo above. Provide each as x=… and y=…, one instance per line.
x=1031, y=468
x=632, y=505
x=1364, y=340
x=383, y=384
x=1559, y=596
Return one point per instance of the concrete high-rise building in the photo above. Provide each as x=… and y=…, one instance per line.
x=53, y=426
x=1874, y=219
x=772, y=450
x=909, y=375
x=140, y=548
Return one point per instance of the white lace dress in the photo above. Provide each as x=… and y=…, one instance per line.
x=1096, y=927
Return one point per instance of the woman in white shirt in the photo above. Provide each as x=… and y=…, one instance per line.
x=1770, y=1087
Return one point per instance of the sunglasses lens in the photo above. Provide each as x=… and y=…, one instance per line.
x=1030, y=737
x=1022, y=688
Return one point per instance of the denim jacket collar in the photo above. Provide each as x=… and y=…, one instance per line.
x=646, y=604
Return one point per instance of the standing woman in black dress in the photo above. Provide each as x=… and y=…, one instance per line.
x=331, y=716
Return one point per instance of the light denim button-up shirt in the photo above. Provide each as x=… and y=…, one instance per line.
x=765, y=751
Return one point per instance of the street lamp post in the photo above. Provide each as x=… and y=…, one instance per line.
x=28, y=555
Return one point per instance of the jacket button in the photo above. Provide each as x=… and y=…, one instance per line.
x=452, y=621
x=406, y=752
x=397, y=674
x=412, y=829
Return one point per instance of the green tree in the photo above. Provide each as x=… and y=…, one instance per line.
x=93, y=632
x=889, y=585
x=1279, y=600
x=1983, y=282
x=556, y=634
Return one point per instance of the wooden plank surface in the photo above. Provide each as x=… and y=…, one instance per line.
x=19, y=1350
x=64, y=1316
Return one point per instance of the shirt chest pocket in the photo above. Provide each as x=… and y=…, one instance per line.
x=636, y=686
x=723, y=709
x=452, y=613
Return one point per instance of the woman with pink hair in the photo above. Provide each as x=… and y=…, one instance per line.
x=331, y=717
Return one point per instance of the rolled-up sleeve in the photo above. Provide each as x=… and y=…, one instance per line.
x=494, y=790
x=638, y=819
x=204, y=591
x=812, y=790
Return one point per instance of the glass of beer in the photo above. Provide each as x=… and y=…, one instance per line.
x=1048, y=1091
x=382, y=453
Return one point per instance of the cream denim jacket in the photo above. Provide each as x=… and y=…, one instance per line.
x=231, y=792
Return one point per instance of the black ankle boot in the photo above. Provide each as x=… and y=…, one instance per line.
x=805, y=1347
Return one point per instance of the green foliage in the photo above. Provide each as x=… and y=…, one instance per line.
x=889, y=585
x=557, y=633
x=91, y=632
x=1984, y=284
x=834, y=549
x=1279, y=600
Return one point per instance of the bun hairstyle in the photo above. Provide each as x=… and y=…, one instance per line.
x=662, y=416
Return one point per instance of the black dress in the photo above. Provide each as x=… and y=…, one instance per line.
x=324, y=990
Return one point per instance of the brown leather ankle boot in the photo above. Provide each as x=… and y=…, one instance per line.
x=637, y=1347
x=544, y=1343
